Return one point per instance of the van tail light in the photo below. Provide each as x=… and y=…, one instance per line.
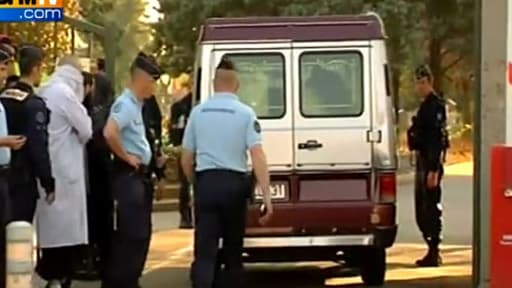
x=387, y=187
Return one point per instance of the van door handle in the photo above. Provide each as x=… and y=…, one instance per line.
x=310, y=145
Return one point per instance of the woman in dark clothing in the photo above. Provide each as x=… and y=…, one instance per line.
x=99, y=199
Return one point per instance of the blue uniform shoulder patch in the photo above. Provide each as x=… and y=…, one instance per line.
x=40, y=117
x=257, y=127
x=117, y=107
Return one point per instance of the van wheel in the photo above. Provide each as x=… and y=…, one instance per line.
x=373, y=266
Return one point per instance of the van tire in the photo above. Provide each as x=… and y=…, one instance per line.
x=373, y=266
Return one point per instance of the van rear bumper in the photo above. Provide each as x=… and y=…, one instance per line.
x=381, y=237
x=309, y=241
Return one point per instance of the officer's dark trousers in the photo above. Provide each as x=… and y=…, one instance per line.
x=428, y=204
x=23, y=198
x=4, y=210
x=184, y=205
x=220, y=206
x=133, y=231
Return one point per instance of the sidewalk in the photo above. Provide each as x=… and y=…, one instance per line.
x=460, y=169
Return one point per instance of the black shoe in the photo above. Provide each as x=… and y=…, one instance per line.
x=432, y=259
x=186, y=225
x=66, y=283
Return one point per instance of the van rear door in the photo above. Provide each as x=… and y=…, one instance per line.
x=265, y=85
x=333, y=113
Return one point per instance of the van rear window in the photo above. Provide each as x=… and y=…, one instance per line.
x=262, y=84
x=331, y=84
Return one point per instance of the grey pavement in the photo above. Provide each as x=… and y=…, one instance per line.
x=457, y=209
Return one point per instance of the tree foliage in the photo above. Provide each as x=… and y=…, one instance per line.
x=132, y=34
x=52, y=37
x=435, y=32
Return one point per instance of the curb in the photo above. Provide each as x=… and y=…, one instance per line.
x=405, y=178
x=166, y=205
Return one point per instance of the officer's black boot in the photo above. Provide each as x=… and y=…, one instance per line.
x=432, y=259
x=186, y=219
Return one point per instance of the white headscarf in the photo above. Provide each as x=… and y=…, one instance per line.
x=70, y=76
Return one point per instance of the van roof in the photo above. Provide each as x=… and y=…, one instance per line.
x=300, y=29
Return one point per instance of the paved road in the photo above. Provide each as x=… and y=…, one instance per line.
x=171, y=251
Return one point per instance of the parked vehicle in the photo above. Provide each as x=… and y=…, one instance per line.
x=321, y=89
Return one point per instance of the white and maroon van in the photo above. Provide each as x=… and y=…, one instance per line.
x=321, y=89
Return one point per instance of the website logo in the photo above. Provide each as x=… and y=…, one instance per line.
x=31, y=10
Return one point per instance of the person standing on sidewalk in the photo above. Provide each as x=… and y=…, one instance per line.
x=126, y=137
x=100, y=203
x=27, y=114
x=180, y=111
x=7, y=143
x=62, y=226
x=217, y=137
x=428, y=138
x=153, y=124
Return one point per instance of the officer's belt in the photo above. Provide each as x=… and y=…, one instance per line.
x=221, y=172
x=120, y=166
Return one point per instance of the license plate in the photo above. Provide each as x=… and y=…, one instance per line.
x=278, y=191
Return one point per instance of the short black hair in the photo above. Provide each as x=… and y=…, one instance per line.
x=6, y=43
x=423, y=71
x=100, y=63
x=30, y=56
x=226, y=64
x=88, y=78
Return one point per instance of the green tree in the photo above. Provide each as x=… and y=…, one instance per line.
x=436, y=32
x=450, y=37
x=52, y=37
x=132, y=33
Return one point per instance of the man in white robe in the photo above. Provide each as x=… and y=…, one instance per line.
x=62, y=225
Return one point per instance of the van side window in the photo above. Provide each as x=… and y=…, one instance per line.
x=331, y=84
x=197, y=85
x=261, y=82
x=388, y=79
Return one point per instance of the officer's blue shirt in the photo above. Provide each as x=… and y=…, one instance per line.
x=220, y=131
x=5, y=152
x=127, y=112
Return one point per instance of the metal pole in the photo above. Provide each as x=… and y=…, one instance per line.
x=477, y=102
x=20, y=255
x=494, y=124
x=73, y=40
x=110, y=45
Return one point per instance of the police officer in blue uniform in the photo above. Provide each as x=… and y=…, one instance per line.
x=428, y=138
x=217, y=137
x=126, y=137
x=28, y=115
x=6, y=143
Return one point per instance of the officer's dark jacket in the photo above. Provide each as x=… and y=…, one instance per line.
x=428, y=132
x=28, y=115
x=179, y=110
x=153, y=126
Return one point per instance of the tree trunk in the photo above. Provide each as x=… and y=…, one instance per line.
x=466, y=109
x=396, y=74
x=435, y=49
